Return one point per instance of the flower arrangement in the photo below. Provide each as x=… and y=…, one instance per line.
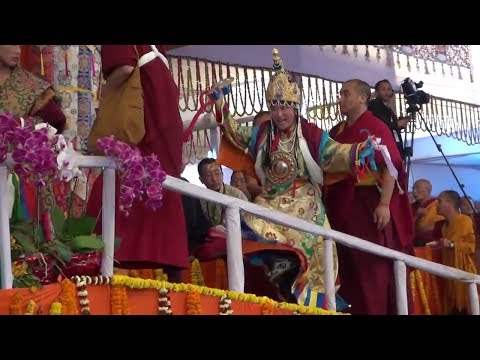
x=139, y=175
x=63, y=241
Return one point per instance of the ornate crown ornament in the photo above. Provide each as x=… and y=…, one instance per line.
x=281, y=89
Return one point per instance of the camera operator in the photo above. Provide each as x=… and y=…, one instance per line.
x=381, y=108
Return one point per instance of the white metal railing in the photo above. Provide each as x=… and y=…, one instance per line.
x=234, y=245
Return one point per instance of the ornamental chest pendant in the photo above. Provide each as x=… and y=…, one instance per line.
x=283, y=168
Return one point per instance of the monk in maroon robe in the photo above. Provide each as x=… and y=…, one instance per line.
x=357, y=207
x=149, y=239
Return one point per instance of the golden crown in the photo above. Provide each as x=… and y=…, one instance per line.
x=281, y=88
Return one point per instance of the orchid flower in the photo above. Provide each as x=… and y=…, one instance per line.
x=139, y=175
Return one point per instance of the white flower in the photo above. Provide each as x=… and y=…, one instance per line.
x=67, y=160
x=84, y=302
x=51, y=130
x=61, y=144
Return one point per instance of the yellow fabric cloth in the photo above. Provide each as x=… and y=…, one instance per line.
x=461, y=256
x=431, y=216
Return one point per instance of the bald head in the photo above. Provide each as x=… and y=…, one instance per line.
x=362, y=88
x=354, y=97
x=448, y=203
x=422, y=190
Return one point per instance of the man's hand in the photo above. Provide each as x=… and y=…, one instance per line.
x=446, y=243
x=381, y=216
x=403, y=121
x=221, y=228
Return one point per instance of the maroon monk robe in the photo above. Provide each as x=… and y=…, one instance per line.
x=367, y=281
x=151, y=238
x=422, y=238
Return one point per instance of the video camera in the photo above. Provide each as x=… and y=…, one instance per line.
x=413, y=96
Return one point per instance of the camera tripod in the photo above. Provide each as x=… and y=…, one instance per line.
x=414, y=110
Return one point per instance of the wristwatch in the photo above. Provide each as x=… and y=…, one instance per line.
x=452, y=244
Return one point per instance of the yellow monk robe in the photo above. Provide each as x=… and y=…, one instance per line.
x=461, y=256
x=430, y=218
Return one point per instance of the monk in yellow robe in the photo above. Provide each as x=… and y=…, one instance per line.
x=457, y=239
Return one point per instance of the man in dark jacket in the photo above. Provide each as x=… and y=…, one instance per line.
x=380, y=107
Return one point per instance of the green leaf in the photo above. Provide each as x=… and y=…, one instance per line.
x=86, y=242
x=24, y=241
x=58, y=219
x=64, y=252
x=79, y=226
x=23, y=227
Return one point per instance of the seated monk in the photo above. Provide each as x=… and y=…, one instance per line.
x=457, y=239
x=425, y=212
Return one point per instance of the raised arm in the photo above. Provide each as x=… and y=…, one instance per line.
x=239, y=136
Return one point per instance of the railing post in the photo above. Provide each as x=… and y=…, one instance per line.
x=474, y=305
x=108, y=220
x=236, y=272
x=329, y=274
x=6, y=275
x=401, y=287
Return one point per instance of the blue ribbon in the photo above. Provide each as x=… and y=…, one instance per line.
x=368, y=152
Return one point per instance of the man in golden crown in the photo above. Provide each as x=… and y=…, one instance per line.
x=290, y=156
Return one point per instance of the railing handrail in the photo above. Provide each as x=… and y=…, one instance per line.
x=235, y=205
x=280, y=218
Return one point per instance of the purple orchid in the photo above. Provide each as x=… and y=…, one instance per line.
x=139, y=175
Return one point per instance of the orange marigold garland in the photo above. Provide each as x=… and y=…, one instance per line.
x=116, y=299
x=125, y=309
x=68, y=298
x=412, y=284
x=16, y=304
x=267, y=307
x=82, y=282
x=421, y=289
x=193, y=303
x=225, y=305
x=164, y=304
